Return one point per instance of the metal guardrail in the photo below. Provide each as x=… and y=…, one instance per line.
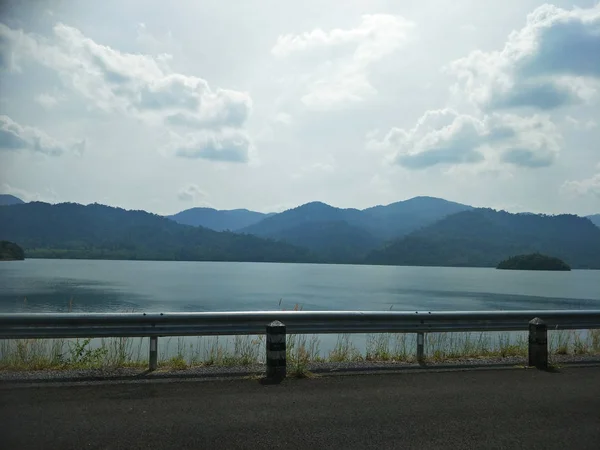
x=73, y=325
x=154, y=325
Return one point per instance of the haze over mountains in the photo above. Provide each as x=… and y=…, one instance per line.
x=483, y=237
x=218, y=220
x=7, y=200
x=595, y=218
x=419, y=231
x=70, y=230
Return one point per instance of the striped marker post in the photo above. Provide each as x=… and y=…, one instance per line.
x=276, y=351
x=538, y=344
x=421, y=348
x=153, y=359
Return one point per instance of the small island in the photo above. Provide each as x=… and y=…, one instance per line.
x=534, y=261
x=9, y=251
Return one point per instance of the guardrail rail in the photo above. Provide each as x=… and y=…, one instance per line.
x=154, y=325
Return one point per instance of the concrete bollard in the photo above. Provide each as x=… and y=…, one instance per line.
x=421, y=348
x=276, y=361
x=538, y=344
x=153, y=353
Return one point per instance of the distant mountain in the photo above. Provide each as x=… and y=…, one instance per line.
x=335, y=234
x=70, y=230
x=309, y=213
x=218, y=220
x=7, y=200
x=595, y=218
x=400, y=218
x=535, y=261
x=333, y=241
x=348, y=234
x=484, y=237
x=9, y=251
x=430, y=235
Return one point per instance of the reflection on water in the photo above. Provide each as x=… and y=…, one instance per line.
x=120, y=286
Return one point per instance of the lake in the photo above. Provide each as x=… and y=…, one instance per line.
x=155, y=286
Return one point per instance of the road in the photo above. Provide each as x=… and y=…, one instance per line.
x=516, y=408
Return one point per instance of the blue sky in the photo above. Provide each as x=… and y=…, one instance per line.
x=268, y=104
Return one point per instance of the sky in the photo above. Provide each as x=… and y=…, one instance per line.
x=270, y=104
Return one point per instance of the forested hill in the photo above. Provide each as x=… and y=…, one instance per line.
x=70, y=230
x=483, y=237
x=476, y=237
x=381, y=222
x=7, y=200
x=347, y=235
x=595, y=218
x=535, y=261
x=218, y=220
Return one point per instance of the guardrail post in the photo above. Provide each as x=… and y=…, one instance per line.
x=276, y=369
x=421, y=348
x=538, y=344
x=153, y=353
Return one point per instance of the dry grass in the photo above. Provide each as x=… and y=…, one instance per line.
x=302, y=350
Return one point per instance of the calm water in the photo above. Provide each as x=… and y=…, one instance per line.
x=103, y=286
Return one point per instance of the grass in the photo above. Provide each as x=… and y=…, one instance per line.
x=302, y=350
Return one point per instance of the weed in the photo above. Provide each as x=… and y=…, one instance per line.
x=378, y=347
x=176, y=363
x=300, y=351
x=344, y=350
x=83, y=355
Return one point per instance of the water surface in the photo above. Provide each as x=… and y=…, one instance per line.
x=155, y=286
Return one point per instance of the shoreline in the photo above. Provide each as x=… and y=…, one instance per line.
x=256, y=371
x=38, y=258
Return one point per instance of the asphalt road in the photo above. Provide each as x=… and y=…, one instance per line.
x=470, y=409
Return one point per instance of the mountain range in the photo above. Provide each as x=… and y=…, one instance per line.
x=348, y=235
x=419, y=231
x=484, y=237
x=70, y=230
x=7, y=200
x=595, y=219
x=218, y=220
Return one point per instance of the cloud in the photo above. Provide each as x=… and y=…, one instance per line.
x=324, y=167
x=345, y=57
x=587, y=186
x=228, y=145
x=139, y=85
x=223, y=109
x=589, y=124
x=445, y=137
x=191, y=192
x=127, y=81
x=551, y=62
x=14, y=136
x=48, y=195
x=48, y=101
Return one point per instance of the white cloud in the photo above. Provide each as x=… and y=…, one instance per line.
x=589, y=124
x=283, y=118
x=14, y=136
x=323, y=167
x=48, y=195
x=445, y=137
x=587, y=186
x=345, y=55
x=228, y=145
x=48, y=101
x=191, y=192
x=136, y=84
x=552, y=61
